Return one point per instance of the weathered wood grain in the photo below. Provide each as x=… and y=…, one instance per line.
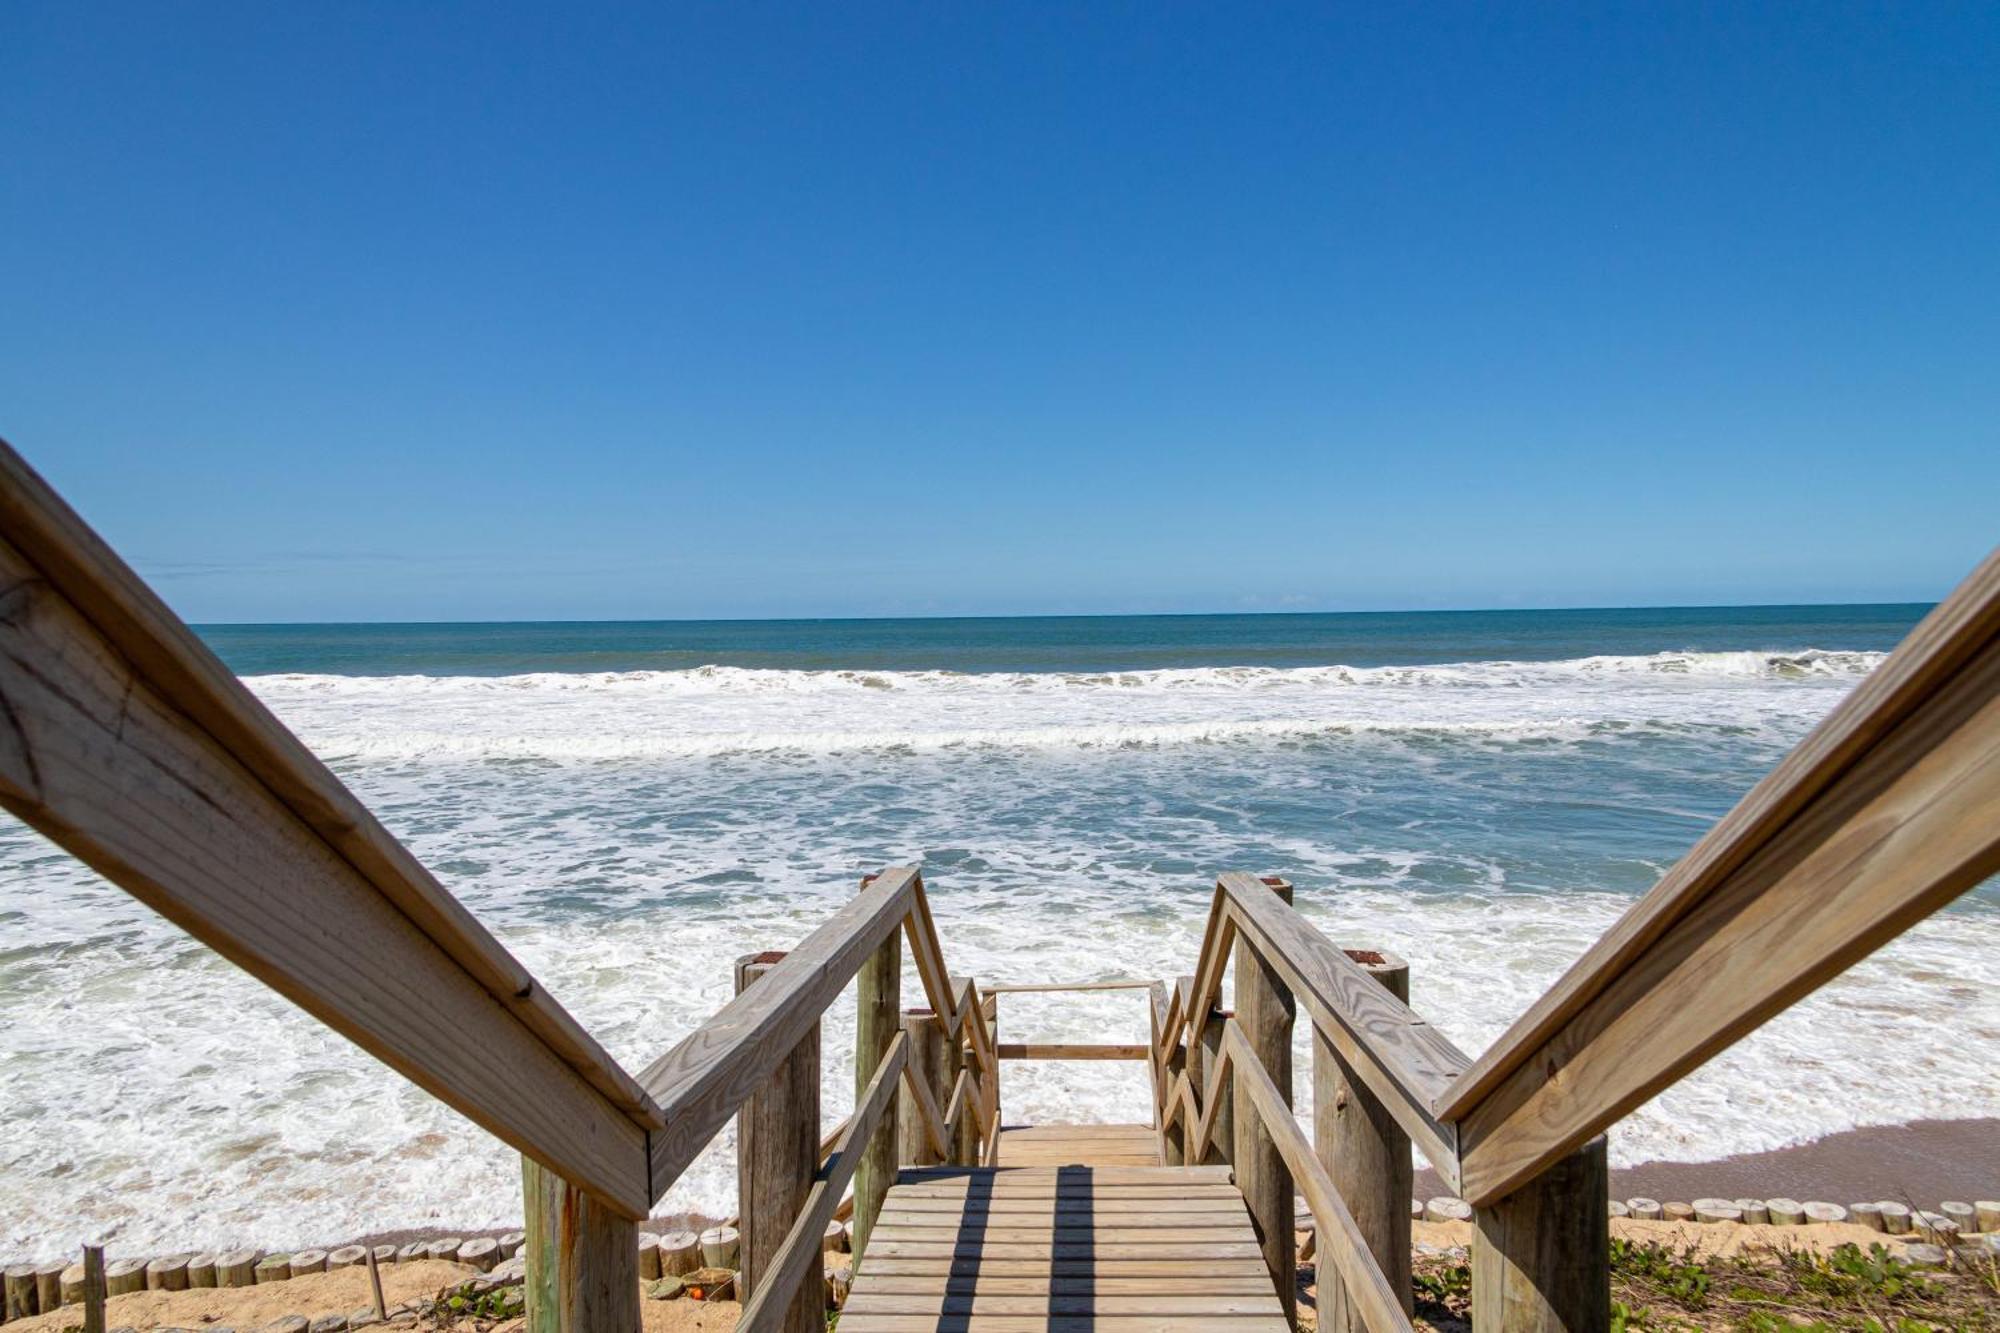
x=155, y=648
x=1404, y=1061
x=798, y=1258
x=702, y=1080
x=1912, y=822
x=924, y=1138
x=1020, y=1050
x=952, y=1306
x=1939, y=648
x=1164, y=1248
x=1217, y=1112
x=777, y=1160
x=1189, y=1284
x=1367, y=1156
x=583, y=1259
x=1034, y=987
x=1196, y=1323
x=878, y=990
x=1340, y=1242
x=1265, y=1012
x=929, y=958
x=1217, y=940
x=116, y=771
x=1541, y=1256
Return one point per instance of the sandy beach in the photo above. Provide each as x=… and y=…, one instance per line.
x=1920, y=1164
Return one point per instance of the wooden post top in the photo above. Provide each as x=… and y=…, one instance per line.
x=1377, y=961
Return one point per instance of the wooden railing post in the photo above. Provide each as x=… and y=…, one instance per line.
x=777, y=1157
x=1264, y=1013
x=1367, y=1153
x=926, y=1034
x=583, y=1259
x=1541, y=1257
x=879, y=993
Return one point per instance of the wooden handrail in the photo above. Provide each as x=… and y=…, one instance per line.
x=1405, y=1061
x=1955, y=630
x=1203, y=1129
x=1339, y=1239
x=703, y=1079
x=796, y=1257
x=130, y=745
x=1888, y=810
x=928, y=955
x=1218, y=938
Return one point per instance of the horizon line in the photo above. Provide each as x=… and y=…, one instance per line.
x=1058, y=615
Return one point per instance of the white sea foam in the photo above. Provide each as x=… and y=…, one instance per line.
x=627, y=835
x=729, y=710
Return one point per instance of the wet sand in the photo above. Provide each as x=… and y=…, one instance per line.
x=1921, y=1164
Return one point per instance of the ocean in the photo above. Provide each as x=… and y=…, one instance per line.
x=631, y=806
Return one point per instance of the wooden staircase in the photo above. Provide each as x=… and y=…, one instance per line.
x=1057, y=1247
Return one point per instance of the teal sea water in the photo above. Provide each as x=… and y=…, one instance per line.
x=630, y=806
x=1050, y=643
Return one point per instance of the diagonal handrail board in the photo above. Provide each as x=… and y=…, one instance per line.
x=981, y=1046
x=929, y=957
x=1218, y=938
x=1340, y=1240
x=794, y=1260
x=99, y=760
x=158, y=650
x=1912, y=824
x=710, y=1072
x=1934, y=651
x=1404, y=1060
x=964, y=1100
x=1203, y=1129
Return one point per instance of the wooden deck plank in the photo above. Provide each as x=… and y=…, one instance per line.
x=965, y=1201
x=1005, y=1249
x=880, y=1266
x=1153, y=1215
x=977, y=1233
x=1166, y=1175
x=1090, y=1303
x=1065, y=1323
x=1182, y=1284
x=1096, y=1146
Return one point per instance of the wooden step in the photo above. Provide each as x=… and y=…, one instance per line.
x=1062, y=1248
x=1080, y=1145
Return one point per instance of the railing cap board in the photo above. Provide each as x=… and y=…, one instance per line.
x=1942, y=643
x=136, y=750
x=160, y=647
x=1405, y=1061
x=1908, y=823
x=700, y=1082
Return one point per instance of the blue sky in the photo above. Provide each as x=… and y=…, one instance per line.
x=380, y=311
